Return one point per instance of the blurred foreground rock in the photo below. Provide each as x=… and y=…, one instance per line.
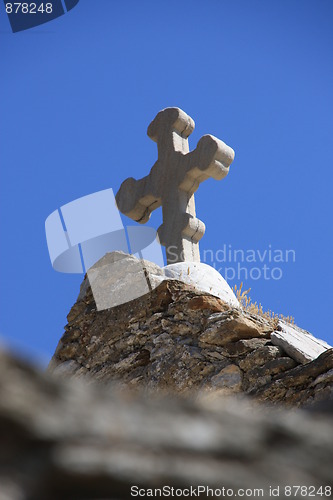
x=73, y=440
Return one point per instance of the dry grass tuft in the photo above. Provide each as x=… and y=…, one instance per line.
x=255, y=308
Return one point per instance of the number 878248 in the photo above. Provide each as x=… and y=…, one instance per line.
x=28, y=8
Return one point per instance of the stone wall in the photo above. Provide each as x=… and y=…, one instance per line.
x=177, y=339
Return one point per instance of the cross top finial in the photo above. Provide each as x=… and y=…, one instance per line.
x=172, y=182
x=169, y=120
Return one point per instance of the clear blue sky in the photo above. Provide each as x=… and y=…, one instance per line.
x=78, y=93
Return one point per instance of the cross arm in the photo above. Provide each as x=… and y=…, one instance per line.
x=136, y=200
x=211, y=158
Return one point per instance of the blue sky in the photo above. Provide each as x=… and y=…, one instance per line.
x=78, y=93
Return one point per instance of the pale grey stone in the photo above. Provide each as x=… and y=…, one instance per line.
x=67, y=368
x=299, y=344
x=119, y=278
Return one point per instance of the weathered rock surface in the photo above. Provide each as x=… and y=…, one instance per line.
x=65, y=439
x=298, y=344
x=180, y=340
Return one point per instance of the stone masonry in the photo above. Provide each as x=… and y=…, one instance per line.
x=180, y=340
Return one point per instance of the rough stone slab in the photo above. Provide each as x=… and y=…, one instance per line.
x=244, y=346
x=294, y=384
x=260, y=376
x=324, y=378
x=297, y=343
x=260, y=356
x=71, y=440
x=203, y=277
x=231, y=326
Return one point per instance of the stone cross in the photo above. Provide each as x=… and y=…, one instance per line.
x=172, y=182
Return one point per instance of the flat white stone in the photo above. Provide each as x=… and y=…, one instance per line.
x=298, y=344
x=118, y=278
x=203, y=277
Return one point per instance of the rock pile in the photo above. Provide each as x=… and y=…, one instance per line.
x=176, y=338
